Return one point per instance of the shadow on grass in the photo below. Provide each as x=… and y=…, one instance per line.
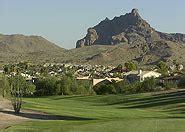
x=153, y=98
x=169, y=102
x=42, y=116
x=71, y=97
x=59, y=97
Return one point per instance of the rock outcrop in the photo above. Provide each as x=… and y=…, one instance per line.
x=129, y=28
x=89, y=39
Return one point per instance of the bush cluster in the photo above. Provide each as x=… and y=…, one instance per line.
x=148, y=85
x=68, y=85
x=65, y=85
x=181, y=83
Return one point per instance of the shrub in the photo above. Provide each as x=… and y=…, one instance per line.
x=169, y=85
x=130, y=66
x=120, y=86
x=19, y=88
x=163, y=68
x=149, y=85
x=4, y=86
x=181, y=83
x=29, y=89
x=84, y=87
x=46, y=86
x=132, y=88
x=66, y=85
x=104, y=88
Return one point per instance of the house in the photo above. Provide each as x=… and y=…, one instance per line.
x=25, y=75
x=52, y=73
x=174, y=77
x=140, y=75
x=117, y=70
x=29, y=78
x=96, y=81
x=32, y=79
x=148, y=74
x=173, y=67
x=1, y=70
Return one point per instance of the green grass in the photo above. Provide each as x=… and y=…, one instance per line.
x=124, y=113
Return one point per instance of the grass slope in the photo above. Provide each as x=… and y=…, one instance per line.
x=128, y=113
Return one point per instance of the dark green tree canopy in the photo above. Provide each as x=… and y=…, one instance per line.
x=130, y=66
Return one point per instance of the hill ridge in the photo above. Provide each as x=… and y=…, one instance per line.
x=18, y=47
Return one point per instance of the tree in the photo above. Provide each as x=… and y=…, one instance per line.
x=63, y=85
x=12, y=68
x=46, y=86
x=18, y=88
x=105, y=87
x=23, y=66
x=44, y=71
x=120, y=86
x=120, y=67
x=181, y=83
x=163, y=68
x=29, y=89
x=130, y=66
x=5, y=86
x=149, y=85
x=169, y=84
x=6, y=69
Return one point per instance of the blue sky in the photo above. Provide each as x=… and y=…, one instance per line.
x=65, y=21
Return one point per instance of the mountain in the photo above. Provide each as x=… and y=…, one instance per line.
x=14, y=48
x=121, y=53
x=129, y=28
x=132, y=38
x=111, y=42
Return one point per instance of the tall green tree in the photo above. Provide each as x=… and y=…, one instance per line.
x=130, y=66
x=18, y=88
x=163, y=68
x=44, y=71
x=46, y=86
x=5, y=86
x=120, y=67
x=7, y=69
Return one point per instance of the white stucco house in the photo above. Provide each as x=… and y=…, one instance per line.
x=173, y=67
x=141, y=75
x=147, y=74
x=1, y=71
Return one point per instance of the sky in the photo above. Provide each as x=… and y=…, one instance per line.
x=65, y=21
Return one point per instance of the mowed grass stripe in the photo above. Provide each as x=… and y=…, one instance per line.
x=119, y=113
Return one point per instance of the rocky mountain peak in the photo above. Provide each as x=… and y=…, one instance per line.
x=107, y=19
x=130, y=28
x=135, y=12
